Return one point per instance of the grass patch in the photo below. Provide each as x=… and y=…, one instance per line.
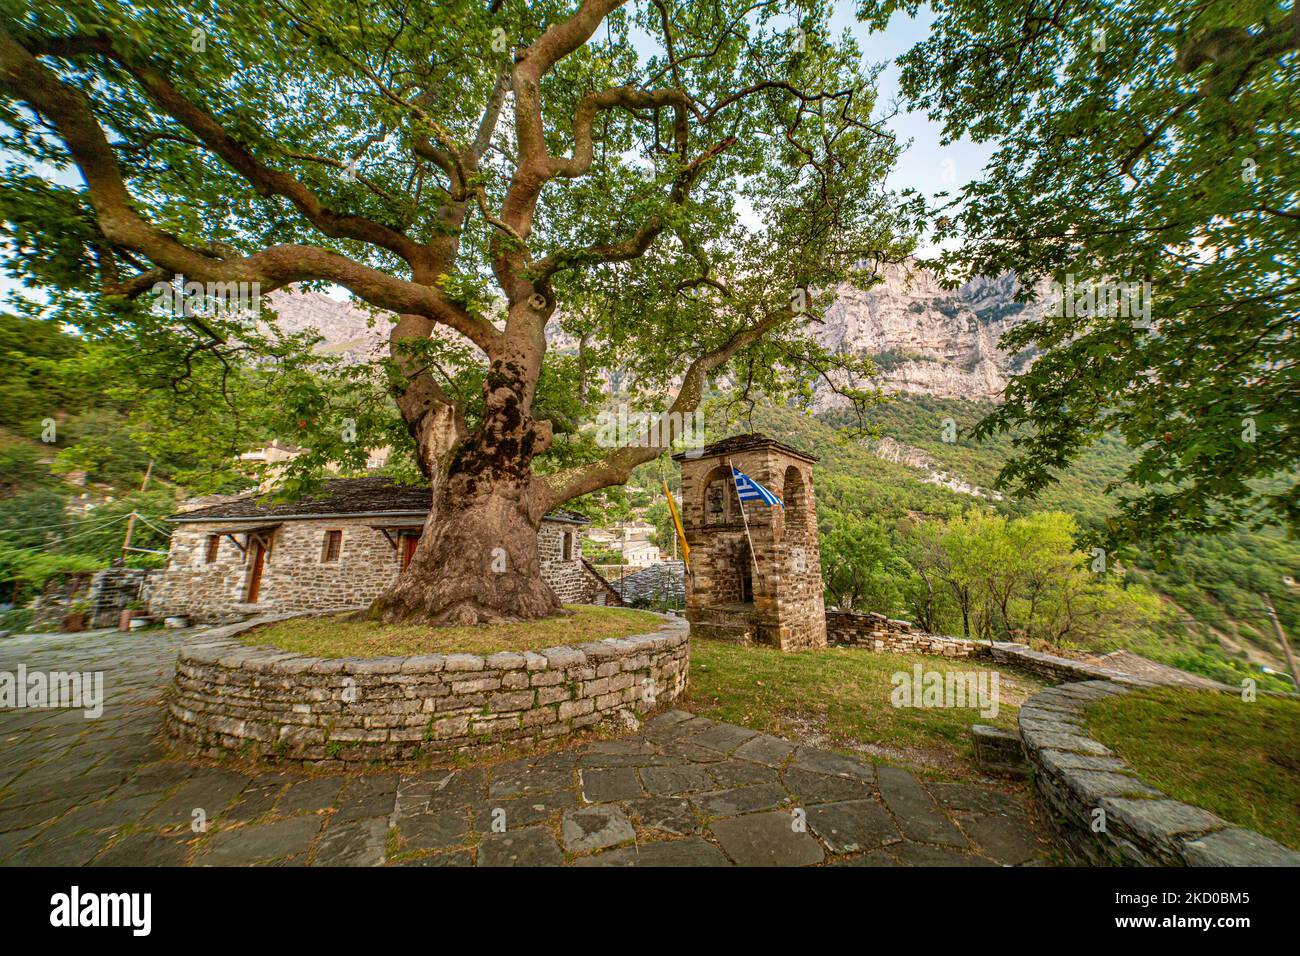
x=840, y=698
x=337, y=636
x=1215, y=751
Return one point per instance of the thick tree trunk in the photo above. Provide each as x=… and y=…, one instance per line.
x=476, y=563
x=477, y=560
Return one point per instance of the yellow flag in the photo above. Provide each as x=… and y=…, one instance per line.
x=677, y=523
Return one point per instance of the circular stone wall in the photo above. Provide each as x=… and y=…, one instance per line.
x=262, y=701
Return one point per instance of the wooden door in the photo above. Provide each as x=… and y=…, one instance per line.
x=255, y=576
x=409, y=542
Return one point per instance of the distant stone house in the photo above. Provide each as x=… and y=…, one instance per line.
x=335, y=550
x=640, y=554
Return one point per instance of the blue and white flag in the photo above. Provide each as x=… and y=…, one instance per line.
x=747, y=489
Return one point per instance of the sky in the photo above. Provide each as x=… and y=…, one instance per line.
x=925, y=166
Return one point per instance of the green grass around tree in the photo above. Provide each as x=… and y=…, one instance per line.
x=340, y=635
x=1237, y=759
x=841, y=698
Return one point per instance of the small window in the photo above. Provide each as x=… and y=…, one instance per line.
x=214, y=547
x=333, y=545
x=568, y=537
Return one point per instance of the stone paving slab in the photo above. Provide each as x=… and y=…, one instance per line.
x=434, y=830
x=730, y=774
x=353, y=843
x=666, y=853
x=684, y=790
x=594, y=828
x=766, y=749
x=810, y=788
x=611, y=783
x=767, y=839
x=522, y=811
x=534, y=846
x=918, y=815
x=670, y=780
x=668, y=814
x=853, y=826
x=260, y=843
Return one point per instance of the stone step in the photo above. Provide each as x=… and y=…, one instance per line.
x=736, y=633
x=998, y=751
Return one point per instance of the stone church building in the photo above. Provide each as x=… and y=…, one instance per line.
x=773, y=596
x=336, y=550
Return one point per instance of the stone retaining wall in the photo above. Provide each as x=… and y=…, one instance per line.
x=1105, y=813
x=875, y=632
x=1054, y=668
x=264, y=702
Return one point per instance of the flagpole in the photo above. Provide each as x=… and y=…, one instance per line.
x=741, y=505
x=680, y=535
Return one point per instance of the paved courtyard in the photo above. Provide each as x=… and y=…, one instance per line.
x=683, y=791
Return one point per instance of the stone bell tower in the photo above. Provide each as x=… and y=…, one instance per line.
x=775, y=596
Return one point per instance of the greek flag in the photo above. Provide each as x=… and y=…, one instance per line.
x=747, y=489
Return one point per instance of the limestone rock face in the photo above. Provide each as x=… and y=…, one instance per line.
x=929, y=340
x=924, y=339
x=346, y=329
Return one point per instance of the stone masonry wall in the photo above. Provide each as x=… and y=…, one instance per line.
x=875, y=632
x=259, y=701
x=801, y=607
x=566, y=577
x=1108, y=816
x=295, y=578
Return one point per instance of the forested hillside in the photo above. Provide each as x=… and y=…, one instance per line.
x=82, y=422
x=1212, y=618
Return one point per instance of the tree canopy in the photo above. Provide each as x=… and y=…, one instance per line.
x=1137, y=141
x=681, y=185
x=670, y=175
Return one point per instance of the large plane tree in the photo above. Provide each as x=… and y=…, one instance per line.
x=686, y=181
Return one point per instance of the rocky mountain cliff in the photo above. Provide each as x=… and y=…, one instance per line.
x=346, y=329
x=930, y=340
x=924, y=339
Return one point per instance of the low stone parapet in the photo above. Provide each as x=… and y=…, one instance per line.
x=230, y=697
x=1105, y=813
x=1053, y=667
x=875, y=632
x=998, y=751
